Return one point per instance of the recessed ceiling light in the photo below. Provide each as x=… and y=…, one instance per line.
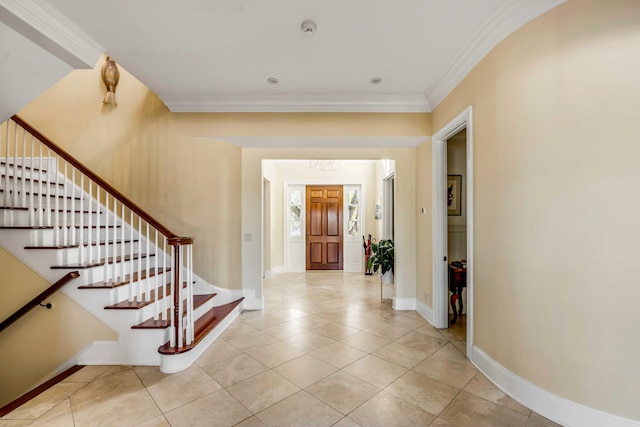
x=376, y=80
x=308, y=27
x=272, y=81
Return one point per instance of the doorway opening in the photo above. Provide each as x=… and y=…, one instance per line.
x=293, y=238
x=449, y=242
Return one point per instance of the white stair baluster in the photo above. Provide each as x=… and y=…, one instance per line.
x=81, y=246
x=114, y=247
x=32, y=208
x=158, y=286
x=106, y=239
x=140, y=289
x=72, y=229
x=148, y=266
x=98, y=246
x=14, y=194
x=23, y=191
x=65, y=212
x=5, y=193
x=135, y=284
x=40, y=200
x=56, y=215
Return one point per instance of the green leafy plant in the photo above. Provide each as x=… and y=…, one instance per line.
x=382, y=256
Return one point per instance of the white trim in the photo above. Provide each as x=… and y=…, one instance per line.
x=425, y=311
x=287, y=238
x=179, y=362
x=500, y=25
x=404, y=303
x=345, y=223
x=251, y=302
x=553, y=407
x=296, y=103
x=49, y=28
x=323, y=142
x=439, y=224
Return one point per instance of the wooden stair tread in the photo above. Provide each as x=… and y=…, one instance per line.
x=135, y=305
x=203, y=326
x=152, y=323
x=108, y=285
x=102, y=262
x=128, y=305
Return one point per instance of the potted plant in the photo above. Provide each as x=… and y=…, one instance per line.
x=382, y=257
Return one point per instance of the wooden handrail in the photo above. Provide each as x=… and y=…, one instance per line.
x=37, y=300
x=95, y=178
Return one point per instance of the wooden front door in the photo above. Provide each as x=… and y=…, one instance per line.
x=324, y=227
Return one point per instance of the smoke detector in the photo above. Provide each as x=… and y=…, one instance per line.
x=308, y=27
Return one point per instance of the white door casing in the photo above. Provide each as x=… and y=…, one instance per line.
x=353, y=250
x=440, y=290
x=294, y=230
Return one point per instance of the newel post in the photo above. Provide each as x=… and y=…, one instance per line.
x=179, y=256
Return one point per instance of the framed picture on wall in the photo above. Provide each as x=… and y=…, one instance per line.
x=454, y=195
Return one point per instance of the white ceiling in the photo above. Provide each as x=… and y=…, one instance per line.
x=213, y=55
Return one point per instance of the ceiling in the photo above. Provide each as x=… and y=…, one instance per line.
x=212, y=55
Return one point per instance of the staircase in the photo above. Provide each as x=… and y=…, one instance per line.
x=135, y=275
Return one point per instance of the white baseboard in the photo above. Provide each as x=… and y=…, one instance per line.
x=251, y=302
x=404, y=303
x=278, y=269
x=425, y=311
x=555, y=408
x=267, y=274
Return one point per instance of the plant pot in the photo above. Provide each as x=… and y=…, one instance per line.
x=387, y=278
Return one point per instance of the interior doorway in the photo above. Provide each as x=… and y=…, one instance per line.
x=457, y=234
x=324, y=226
x=441, y=183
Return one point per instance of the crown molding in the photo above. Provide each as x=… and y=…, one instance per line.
x=46, y=26
x=324, y=141
x=297, y=103
x=499, y=26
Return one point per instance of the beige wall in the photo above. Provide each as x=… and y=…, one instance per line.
x=42, y=340
x=556, y=155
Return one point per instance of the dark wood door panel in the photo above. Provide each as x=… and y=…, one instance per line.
x=324, y=228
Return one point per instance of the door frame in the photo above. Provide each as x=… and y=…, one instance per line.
x=388, y=206
x=439, y=224
x=285, y=234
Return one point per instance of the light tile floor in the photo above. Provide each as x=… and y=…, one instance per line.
x=324, y=352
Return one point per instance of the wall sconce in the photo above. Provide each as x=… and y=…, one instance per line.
x=110, y=77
